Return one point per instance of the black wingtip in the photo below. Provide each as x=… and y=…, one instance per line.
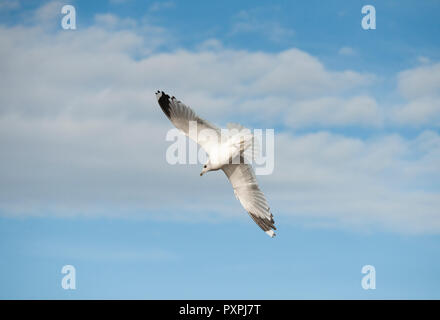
x=164, y=102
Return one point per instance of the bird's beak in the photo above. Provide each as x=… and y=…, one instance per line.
x=201, y=173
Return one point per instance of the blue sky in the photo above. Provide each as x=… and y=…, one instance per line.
x=84, y=179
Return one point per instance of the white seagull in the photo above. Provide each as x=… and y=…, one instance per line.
x=220, y=154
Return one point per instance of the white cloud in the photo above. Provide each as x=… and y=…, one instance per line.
x=419, y=111
x=347, y=51
x=368, y=184
x=47, y=16
x=419, y=82
x=81, y=133
x=423, y=59
x=9, y=5
x=77, y=167
x=161, y=5
x=210, y=45
x=256, y=21
x=108, y=20
x=421, y=88
x=332, y=111
x=229, y=72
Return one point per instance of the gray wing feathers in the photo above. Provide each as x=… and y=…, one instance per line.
x=246, y=190
x=181, y=116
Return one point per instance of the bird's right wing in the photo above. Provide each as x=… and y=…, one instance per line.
x=246, y=190
x=207, y=135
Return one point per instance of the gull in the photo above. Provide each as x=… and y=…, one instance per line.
x=220, y=154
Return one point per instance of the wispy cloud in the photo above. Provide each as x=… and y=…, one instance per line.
x=423, y=59
x=347, y=51
x=8, y=5
x=161, y=5
x=421, y=88
x=256, y=21
x=334, y=111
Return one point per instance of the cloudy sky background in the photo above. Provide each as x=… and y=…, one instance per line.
x=84, y=179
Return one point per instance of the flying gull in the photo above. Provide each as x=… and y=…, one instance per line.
x=220, y=153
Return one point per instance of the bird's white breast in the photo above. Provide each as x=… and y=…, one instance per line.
x=219, y=156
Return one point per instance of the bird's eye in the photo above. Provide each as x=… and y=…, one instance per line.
x=204, y=166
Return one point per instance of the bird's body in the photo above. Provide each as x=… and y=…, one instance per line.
x=226, y=154
x=218, y=156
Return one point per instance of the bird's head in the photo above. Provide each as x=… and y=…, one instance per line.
x=205, y=169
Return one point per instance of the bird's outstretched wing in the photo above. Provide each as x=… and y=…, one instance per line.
x=246, y=190
x=181, y=116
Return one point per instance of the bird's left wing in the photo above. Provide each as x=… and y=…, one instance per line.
x=246, y=190
x=206, y=135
